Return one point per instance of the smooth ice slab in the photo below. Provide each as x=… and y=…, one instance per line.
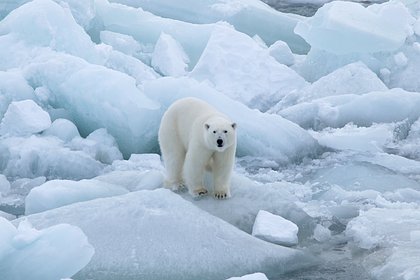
x=249, y=197
x=275, y=229
x=57, y=193
x=360, y=175
x=351, y=137
x=159, y=235
x=363, y=110
x=346, y=27
x=51, y=253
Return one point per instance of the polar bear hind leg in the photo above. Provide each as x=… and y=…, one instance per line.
x=173, y=158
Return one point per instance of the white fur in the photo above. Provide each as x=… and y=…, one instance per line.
x=188, y=137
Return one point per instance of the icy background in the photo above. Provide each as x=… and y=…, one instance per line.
x=327, y=176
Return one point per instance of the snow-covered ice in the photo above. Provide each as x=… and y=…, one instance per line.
x=328, y=119
x=250, y=17
x=345, y=27
x=396, y=247
x=363, y=110
x=168, y=57
x=51, y=253
x=275, y=229
x=237, y=66
x=56, y=193
x=24, y=117
x=130, y=233
x=254, y=276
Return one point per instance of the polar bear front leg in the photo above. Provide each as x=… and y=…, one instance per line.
x=194, y=168
x=222, y=172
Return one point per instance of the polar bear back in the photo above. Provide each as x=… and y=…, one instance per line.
x=187, y=115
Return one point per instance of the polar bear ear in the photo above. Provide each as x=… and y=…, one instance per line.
x=207, y=126
x=234, y=125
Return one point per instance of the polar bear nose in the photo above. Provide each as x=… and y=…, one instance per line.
x=219, y=142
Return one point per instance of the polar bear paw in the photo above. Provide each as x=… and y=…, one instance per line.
x=175, y=187
x=199, y=192
x=221, y=194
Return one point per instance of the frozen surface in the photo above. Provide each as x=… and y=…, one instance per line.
x=363, y=110
x=250, y=17
x=237, y=66
x=57, y=193
x=63, y=129
x=168, y=57
x=354, y=78
x=36, y=156
x=25, y=251
x=397, y=247
x=23, y=118
x=4, y=185
x=275, y=229
x=282, y=53
x=13, y=87
x=345, y=27
x=351, y=137
x=152, y=227
x=254, y=276
x=249, y=197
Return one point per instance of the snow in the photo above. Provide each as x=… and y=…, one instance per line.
x=64, y=247
x=328, y=119
x=254, y=276
x=143, y=227
x=275, y=229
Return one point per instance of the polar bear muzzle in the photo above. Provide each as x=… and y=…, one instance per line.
x=219, y=143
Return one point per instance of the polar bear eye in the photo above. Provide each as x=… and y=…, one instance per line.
x=214, y=131
x=225, y=131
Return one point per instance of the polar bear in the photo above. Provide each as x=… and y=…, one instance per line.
x=195, y=137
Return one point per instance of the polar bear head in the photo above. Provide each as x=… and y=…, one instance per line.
x=219, y=133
